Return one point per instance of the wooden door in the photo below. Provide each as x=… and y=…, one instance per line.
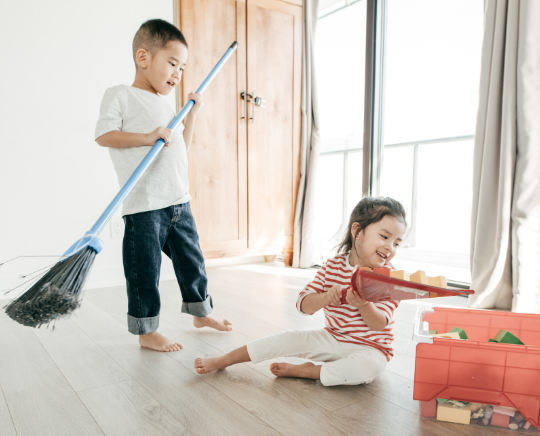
x=274, y=38
x=218, y=153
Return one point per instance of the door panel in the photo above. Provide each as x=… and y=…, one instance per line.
x=274, y=62
x=218, y=152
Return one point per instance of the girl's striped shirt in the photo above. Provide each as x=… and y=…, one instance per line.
x=345, y=321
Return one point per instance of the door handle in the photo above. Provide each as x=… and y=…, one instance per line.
x=245, y=96
x=256, y=101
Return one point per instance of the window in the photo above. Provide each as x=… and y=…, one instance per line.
x=431, y=76
x=340, y=67
x=429, y=87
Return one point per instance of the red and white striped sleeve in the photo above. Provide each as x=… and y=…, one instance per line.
x=314, y=287
x=387, y=308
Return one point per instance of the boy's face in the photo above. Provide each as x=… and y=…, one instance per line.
x=163, y=70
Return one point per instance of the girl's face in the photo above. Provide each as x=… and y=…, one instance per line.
x=377, y=244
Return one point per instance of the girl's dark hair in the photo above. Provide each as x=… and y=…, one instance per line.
x=153, y=35
x=368, y=211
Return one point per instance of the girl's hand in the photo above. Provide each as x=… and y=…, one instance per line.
x=197, y=98
x=354, y=299
x=159, y=133
x=334, y=295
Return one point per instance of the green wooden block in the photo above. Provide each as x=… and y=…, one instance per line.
x=492, y=340
x=433, y=332
x=441, y=400
x=505, y=337
x=461, y=332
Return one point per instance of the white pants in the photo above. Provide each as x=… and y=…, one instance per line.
x=348, y=364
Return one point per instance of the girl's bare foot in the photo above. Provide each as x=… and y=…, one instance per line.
x=209, y=364
x=306, y=370
x=156, y=341
x=222, y=326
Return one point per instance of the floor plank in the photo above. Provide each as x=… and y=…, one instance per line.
x=6, y=423
x=329, y=398
x=84, y=364
x=379, y=417
x=287, y=410
x=40, y=399
x=97, y=323
x=127, y=409
x=198, y=406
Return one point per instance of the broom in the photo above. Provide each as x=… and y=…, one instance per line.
x=59, y=292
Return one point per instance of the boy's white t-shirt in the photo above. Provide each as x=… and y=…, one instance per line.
x=165, y=182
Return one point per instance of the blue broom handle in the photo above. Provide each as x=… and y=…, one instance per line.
x=149, y=158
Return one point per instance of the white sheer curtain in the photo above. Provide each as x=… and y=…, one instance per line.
x=305, y=254
x=505, y=245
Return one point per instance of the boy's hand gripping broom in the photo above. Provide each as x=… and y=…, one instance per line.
x=59, y=291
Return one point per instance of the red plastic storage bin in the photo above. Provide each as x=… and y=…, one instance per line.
x=476, y=370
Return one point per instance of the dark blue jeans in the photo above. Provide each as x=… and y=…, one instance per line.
x=171, y=230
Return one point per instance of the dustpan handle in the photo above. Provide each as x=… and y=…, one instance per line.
x=149, y=158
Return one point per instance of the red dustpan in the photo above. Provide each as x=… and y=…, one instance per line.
x=373, y=286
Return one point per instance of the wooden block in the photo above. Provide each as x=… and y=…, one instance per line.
x=428, y=409
x=439, y=282
x=475, y=407
x=513, y=425
x=510, y=411
x=505, y=337
x=527, y=425
x=446, y=412
x=461, y=332
x=383, y=271
x=519, y=417
x=419, y=277
x=487, y=415
x=500, y=420
x=433, y=332
x=447, y=336
x=400, y=275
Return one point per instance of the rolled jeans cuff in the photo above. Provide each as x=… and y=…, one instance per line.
x=200, y=309
x=142, y=326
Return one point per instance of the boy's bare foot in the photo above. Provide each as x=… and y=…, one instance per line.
x=222, y=326
x=306, y=370
x=156, y=341
x=204, y=366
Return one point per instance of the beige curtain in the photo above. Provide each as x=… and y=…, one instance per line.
x=305, y=252
x=505, y=258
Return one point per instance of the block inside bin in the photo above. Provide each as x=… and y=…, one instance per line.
x=477, y=370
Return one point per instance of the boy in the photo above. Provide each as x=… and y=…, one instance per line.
x=156, y=212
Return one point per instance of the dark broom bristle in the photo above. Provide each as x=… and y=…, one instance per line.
x=56, y=294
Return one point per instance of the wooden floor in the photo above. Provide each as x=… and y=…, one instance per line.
x=90, y=377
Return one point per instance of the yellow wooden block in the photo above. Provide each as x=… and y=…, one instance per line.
x=453, y=335
x=400, y=275
x=447, y=412
x=419, y=277
x=439, y=282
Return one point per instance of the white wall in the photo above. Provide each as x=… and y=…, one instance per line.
x=58, y=57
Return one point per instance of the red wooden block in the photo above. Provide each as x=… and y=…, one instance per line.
x=428, y=409
x=500, y=420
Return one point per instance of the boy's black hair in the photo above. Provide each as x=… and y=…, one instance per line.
x=368, y=211
x=153, y=35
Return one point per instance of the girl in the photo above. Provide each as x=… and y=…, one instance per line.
x=356, y=343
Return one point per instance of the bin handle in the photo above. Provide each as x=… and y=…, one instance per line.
x=421, y=327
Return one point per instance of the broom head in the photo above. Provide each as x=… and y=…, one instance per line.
x=59, y=292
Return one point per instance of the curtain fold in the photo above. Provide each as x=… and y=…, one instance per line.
x=305, y=252
x=505, y=217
